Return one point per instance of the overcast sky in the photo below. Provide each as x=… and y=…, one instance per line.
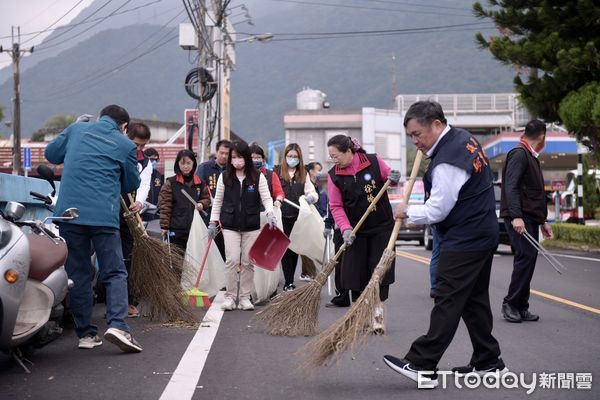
x=33, y=16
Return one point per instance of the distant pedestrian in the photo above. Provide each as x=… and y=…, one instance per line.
x=460, y=202
x=258, y=159
x=241, y=190
x=523, y=206
x=176, y=210
x=93, y=185
x=209, y=172
x=158, y=179
x=295, y=183
x=435, y=260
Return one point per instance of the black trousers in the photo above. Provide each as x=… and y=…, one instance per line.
x=463, y=281
x=523, y=265
x=289, y=259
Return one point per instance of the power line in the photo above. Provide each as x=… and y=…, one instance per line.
x=369, y=31
x=56, y=21
x=41, y=12
x=382, y=34
x=312, y=3
x=103, y=76
x=71, y=28
x=86, y=21
x=436, y=6
x=44, y=47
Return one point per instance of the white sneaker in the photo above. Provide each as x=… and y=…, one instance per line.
x=246, y=304
x=228, y=304
x=89, y=342
x=305, y=278
x=122, y=340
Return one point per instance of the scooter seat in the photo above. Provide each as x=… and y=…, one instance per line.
x=46, y=256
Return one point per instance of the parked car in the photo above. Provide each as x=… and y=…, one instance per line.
x=409, y=231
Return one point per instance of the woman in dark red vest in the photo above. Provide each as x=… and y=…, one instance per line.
x=354, y=181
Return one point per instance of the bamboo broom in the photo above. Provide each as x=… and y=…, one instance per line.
x=155, y=272
x=355, y=325
x=296, y=313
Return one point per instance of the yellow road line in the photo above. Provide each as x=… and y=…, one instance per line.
x=565, y=301
x=425, y=260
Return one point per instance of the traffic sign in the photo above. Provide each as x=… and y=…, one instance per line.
x=27, y=158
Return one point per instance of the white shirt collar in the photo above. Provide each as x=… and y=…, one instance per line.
x=446, y=130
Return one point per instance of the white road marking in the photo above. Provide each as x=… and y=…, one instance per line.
x=185, y=378
x=576, y=257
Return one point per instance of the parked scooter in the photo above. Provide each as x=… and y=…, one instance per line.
x=33, y=281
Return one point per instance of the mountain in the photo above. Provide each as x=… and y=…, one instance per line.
x=354, y=71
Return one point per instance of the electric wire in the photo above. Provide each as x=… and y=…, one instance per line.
x=56, y=21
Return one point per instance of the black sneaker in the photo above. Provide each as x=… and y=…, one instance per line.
x=510, y=313
x=497, y=366
x=411, y=371
x=527, y=316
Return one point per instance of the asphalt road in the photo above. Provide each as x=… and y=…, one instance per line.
x=244, y=363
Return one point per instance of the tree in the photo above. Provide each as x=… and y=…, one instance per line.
x=1, y=112
x=557, y=43
x=591, y=194
x=580, y=112
x=59, y=121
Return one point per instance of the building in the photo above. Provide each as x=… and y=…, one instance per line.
x=313, y=123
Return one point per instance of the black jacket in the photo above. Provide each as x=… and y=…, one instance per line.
x=523, y=194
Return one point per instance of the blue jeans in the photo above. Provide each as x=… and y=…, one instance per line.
x=435, y=257
x=112, y=272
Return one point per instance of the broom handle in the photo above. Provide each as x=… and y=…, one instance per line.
x=210, y=240
x=139, y=219
x=408, y=190
x=373, y=204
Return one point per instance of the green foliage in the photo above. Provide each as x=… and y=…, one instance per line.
x=583, y=234
x=37, y=136
x=591, y=196
x=1, y=112
x=580, y=112
x=59, y=121
x=556, y=43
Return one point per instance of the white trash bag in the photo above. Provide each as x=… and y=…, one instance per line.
x=213, y=276
x=307, y=234
x=265, y=281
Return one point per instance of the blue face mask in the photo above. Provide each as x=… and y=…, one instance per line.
x=257, y=164
x=292, y=162
x=154, y=164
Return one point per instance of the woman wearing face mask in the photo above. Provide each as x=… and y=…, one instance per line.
x=258, y=159
x=176, y=211
x=353, y=182
x=295, y=183
x=241, y=190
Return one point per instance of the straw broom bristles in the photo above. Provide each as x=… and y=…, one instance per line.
x=156, y=273
x=296, y=313
x=355, y=325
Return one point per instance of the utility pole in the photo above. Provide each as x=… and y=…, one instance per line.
x=16, y=53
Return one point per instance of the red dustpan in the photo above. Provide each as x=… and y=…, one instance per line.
x=269, y=247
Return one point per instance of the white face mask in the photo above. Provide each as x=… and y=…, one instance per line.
x=292, y=162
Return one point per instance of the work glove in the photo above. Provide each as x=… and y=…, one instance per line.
x=213, y=230
x=394, y=176
x=348, y=237
x=271, y=221
x=84, y=118
x=327, y=233
x=311, y=198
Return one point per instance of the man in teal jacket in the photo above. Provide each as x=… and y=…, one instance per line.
x=99, y=164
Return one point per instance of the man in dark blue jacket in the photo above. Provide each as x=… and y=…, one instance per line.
x=459, y=200
x=99, y=164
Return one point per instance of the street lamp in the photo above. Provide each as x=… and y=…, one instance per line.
x=263, y=37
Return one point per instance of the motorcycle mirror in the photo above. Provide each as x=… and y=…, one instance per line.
x=71, y=213
x=46, y=173
x=14, y=210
